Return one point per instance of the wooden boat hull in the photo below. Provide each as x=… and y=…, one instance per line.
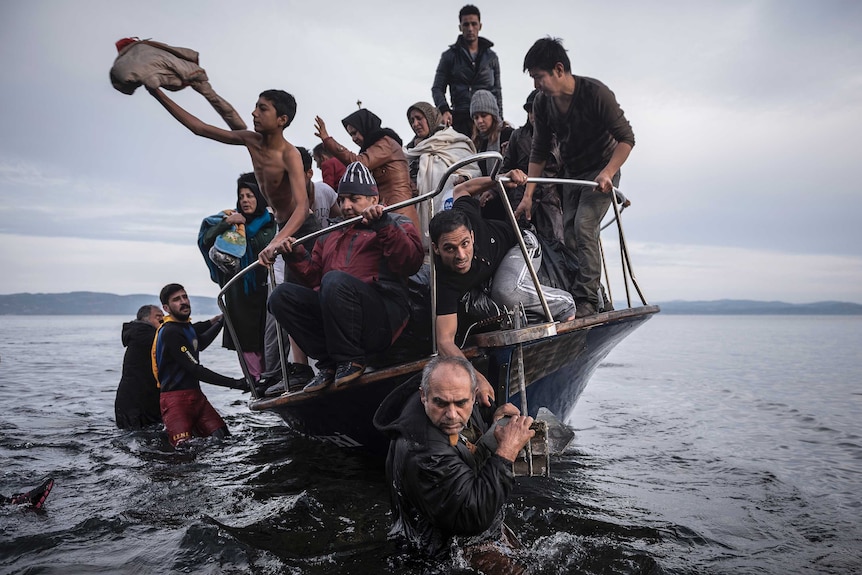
x=557, y=367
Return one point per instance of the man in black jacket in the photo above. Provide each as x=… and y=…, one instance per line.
x=468, y=65
x=449, y=477
x=137, y=403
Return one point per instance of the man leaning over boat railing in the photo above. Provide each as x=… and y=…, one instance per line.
x=469, y=251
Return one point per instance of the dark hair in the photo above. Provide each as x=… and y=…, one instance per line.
x=168, y=291
x=447, y=221
x=544, y=55
x=319, y=150
x=306, y=158
x=145, y=312
x=246, y=179
x=468, y=10
x=284, y=103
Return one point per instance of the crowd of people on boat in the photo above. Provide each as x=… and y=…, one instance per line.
x=344, y=298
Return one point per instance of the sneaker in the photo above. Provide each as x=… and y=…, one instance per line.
x=347, y=371
x=274, y=390
x=584, y=308
x=298, y=375
x=320, y=381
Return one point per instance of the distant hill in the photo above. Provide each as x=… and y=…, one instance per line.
x=92, y=303
x=749, y=307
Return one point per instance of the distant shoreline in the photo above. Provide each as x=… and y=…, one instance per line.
x=96, y=303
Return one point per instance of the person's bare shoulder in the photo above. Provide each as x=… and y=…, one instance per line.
x=292, y=158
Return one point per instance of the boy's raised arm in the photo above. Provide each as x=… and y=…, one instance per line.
x=198, y=127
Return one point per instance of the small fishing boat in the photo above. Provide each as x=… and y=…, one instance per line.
x=538, y=366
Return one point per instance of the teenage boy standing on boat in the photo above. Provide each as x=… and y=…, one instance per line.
x=277, y=164
x=595, y=140
x=186, y=411
x=468, y=65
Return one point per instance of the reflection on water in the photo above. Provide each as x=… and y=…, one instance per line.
x=705, y=445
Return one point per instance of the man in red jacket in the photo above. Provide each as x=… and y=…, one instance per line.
x=354, y=300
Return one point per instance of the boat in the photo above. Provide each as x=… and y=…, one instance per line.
x=535, y=367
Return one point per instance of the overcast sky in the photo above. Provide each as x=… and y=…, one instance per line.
x=745, y=178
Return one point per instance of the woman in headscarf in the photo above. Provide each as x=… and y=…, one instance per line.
x=380, y=151
x=246, y=299
x=430, y=153
x=490, y=134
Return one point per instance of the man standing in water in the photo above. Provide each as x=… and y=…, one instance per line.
x=277, y=164
x=186, y=411
x=449, y=476
x=137, y=403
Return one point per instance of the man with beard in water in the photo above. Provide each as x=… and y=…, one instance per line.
x=449, y=476
x=186, y=411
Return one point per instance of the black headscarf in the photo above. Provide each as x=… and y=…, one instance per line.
x=249, y=181
x=368, y=124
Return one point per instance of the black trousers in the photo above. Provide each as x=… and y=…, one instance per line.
x=346, y=320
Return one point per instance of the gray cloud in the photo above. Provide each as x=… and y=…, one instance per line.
x=745, y=113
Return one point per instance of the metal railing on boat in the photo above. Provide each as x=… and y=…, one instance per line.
x=619, y=202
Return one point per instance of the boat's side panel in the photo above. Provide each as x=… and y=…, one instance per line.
x=557, y=369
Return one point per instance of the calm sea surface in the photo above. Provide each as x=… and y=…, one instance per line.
x=704, y=445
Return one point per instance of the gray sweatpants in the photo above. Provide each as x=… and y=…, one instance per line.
x=512, y=285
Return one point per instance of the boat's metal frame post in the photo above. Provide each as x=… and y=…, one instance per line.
x=504, y=199
x=279, y=335
x=624, y=253
x=229, y=324
x=623, y=260
x=607, y=272
x=522, y=388
x=617, y=200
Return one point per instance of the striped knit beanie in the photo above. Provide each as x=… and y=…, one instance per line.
x=357, y=179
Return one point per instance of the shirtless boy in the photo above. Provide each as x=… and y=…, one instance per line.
x=277, y=164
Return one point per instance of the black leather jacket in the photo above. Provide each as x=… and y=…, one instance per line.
x=439, y=491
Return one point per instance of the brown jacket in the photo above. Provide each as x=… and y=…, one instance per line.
x=388, y=165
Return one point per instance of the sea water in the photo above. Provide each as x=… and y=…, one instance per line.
x=705, y=444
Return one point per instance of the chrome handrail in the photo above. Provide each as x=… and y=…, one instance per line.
x=619, y=201
x=339, y=225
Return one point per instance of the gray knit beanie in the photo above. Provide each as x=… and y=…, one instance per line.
x=484, y=101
